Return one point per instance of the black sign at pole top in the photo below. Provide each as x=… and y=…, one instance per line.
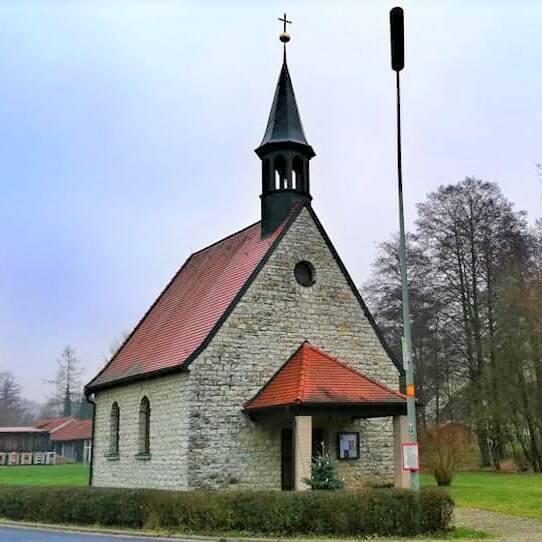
x=397, y=39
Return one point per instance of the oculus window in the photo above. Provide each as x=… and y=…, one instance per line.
x=304, y=273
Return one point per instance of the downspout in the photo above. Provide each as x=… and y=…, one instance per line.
x=90, y=398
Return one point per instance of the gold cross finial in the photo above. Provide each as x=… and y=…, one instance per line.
x=285, y=20
x=284, y=37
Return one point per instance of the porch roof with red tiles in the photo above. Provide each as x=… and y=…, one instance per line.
x=192, y=304
x=312, y=377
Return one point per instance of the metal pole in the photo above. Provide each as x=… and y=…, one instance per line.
x=407, y=338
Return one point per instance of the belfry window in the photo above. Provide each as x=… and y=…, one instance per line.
x=280, y=172
x=114, y=426
x=144, y=426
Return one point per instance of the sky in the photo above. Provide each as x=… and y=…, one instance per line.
x=127, y=132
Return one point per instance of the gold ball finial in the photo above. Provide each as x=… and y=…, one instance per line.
x=284, y=36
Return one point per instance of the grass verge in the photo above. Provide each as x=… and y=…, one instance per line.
x=516, y=494
x=45, y=475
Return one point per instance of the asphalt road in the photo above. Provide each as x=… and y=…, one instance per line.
x=20, y=534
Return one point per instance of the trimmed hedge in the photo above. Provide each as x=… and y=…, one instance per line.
x=350, y=513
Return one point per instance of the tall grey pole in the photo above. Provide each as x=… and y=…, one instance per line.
x=397, y=46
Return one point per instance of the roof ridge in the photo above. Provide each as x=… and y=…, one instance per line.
x=302, y=372
x=358, y=373
x=224, y=239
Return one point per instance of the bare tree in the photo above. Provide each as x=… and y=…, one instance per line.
x=67, y=381
x=470, y=232
x=11, y=409
x=474, y=269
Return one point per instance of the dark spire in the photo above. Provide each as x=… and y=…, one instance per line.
x=284, y=124
x=285, y=153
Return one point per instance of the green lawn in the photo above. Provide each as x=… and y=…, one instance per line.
x=517, y=494
x=45, y=475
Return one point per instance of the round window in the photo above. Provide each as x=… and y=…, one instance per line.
x=304, y=273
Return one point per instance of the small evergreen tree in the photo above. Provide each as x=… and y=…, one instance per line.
x=323, y=473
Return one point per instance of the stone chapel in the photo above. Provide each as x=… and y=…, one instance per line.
x=258, y=355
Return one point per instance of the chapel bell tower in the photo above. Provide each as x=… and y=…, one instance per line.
x=284, y=152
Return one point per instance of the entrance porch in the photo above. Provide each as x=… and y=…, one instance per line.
x=321, y=406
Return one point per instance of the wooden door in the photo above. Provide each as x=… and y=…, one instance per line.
x=287, y=459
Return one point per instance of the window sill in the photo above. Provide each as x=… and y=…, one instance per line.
x=143, y=457
x=112, y=457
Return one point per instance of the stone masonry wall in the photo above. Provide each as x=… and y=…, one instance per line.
x=167, y=466
x=266, y=327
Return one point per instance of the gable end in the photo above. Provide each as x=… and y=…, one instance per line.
x=356, y=293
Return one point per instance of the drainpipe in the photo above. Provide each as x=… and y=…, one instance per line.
x=90, y=397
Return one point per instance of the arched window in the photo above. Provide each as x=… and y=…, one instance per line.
x=144, y=426
x=114, y=425
x=280, y=172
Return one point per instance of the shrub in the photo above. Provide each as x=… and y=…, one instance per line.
x=341, y=513
x=436, y=508
x=509, y=466
x=444, y=446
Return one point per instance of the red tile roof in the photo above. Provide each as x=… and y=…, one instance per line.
x=75, y=430
x=311, y=376
x=187, y=310
x=54, y=424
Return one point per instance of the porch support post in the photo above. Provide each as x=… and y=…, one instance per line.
x=400, y=434
x=302, y=451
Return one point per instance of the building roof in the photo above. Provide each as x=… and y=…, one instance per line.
x=53, y=424
x=21, y=430
x=198, y=299
x=191, y=308
x=75, y=430
x=284, y=124
x=312, y=377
